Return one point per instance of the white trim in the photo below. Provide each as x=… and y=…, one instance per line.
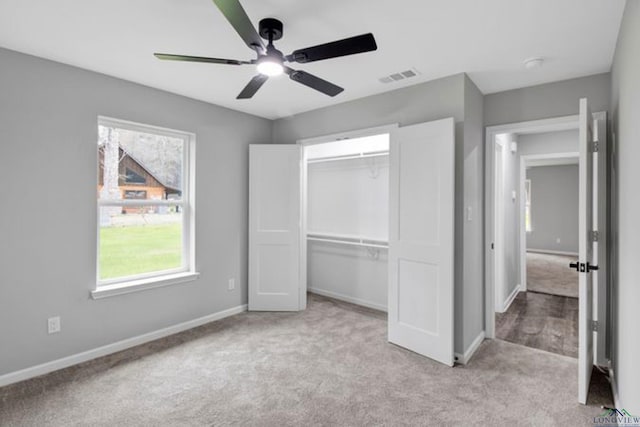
x=304, y=175
x=349, y=299
x=534, y=126
x=555, y=124
x=549, y=251
x=522, y=222
x=45, y=368
x=358, y=133
x=512, y=296
x=140, y=202
x=614, y=387
x=498, y=238
x=463, y=359
x=186, y=202
x=156, y=281
x=141, y=127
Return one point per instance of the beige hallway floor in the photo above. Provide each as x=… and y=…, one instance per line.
x=543, y=321
x=328, y=365
x=550, y=274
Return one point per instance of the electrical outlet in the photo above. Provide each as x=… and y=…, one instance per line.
x=232, y=284
x=53, y=324
x=558, y=240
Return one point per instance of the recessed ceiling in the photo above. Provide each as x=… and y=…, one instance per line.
x=488, y=39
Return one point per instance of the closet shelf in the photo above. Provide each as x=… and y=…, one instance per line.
x=345, y=239
x=349, y=157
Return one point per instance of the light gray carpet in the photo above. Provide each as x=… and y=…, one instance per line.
x=329, y=365
x=551, y=274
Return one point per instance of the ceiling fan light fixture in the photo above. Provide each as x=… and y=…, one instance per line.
x=270, y=66
x=270, y=61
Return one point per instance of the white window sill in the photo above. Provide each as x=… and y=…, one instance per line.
x=142, y=284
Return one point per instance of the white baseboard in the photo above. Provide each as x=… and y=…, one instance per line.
x=510, y=298
x=349, y=299
x=468, y=354
x=614, y=388
x=45, y=368
x=549, y=251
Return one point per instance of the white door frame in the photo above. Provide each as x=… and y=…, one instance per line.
x=521, y=217
x=535, y=126
x=542, y=126
x=498, y=222
x=305, y=142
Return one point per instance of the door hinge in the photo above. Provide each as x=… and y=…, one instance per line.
x=595, y=235
x=595, y=326
x=596, y=146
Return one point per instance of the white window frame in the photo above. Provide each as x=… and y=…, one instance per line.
x=186, y=272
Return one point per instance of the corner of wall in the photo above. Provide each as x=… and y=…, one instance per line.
x=625, y=107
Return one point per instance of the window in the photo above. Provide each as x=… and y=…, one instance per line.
x=527, y=205
x=134, y=178
x=145, y=205
x=135, y=194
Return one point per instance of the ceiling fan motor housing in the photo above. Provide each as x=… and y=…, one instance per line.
x=270, y=29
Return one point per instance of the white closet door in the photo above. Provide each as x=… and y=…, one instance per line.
x=588, y=197
x=421, y=239
x=274, y=227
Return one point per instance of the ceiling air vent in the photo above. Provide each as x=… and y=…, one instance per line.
x=395, y=77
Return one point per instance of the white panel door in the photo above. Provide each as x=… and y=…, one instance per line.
x=421, y=239
x=274, y=227
x=587, y=255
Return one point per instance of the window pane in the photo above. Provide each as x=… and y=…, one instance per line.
x=139, y=239
x=148, y=163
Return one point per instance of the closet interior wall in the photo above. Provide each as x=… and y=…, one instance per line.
x=347, y=221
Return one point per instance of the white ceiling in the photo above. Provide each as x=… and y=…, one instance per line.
x=488, y=39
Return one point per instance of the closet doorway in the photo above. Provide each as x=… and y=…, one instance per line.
x=347, y=219
x=366, y=217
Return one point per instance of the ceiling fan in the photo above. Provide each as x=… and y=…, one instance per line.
x=270, y=61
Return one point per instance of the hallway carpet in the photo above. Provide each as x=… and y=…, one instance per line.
x=550, y=274
x=329, y=365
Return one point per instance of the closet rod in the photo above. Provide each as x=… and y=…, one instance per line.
x=359, y=242
x=349, y=157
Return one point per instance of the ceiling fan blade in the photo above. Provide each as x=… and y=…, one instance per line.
x=253, y=86
x=187, y=58
x=237, y=17
x=350, y=46
x=313, y=82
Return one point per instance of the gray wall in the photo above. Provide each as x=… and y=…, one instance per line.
x=511, y=219
x=547, y=100
x=48, y=168
x=470, y=302
x=454, y=96
x=625, y=173
x=554, y=208
x=565, y=141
